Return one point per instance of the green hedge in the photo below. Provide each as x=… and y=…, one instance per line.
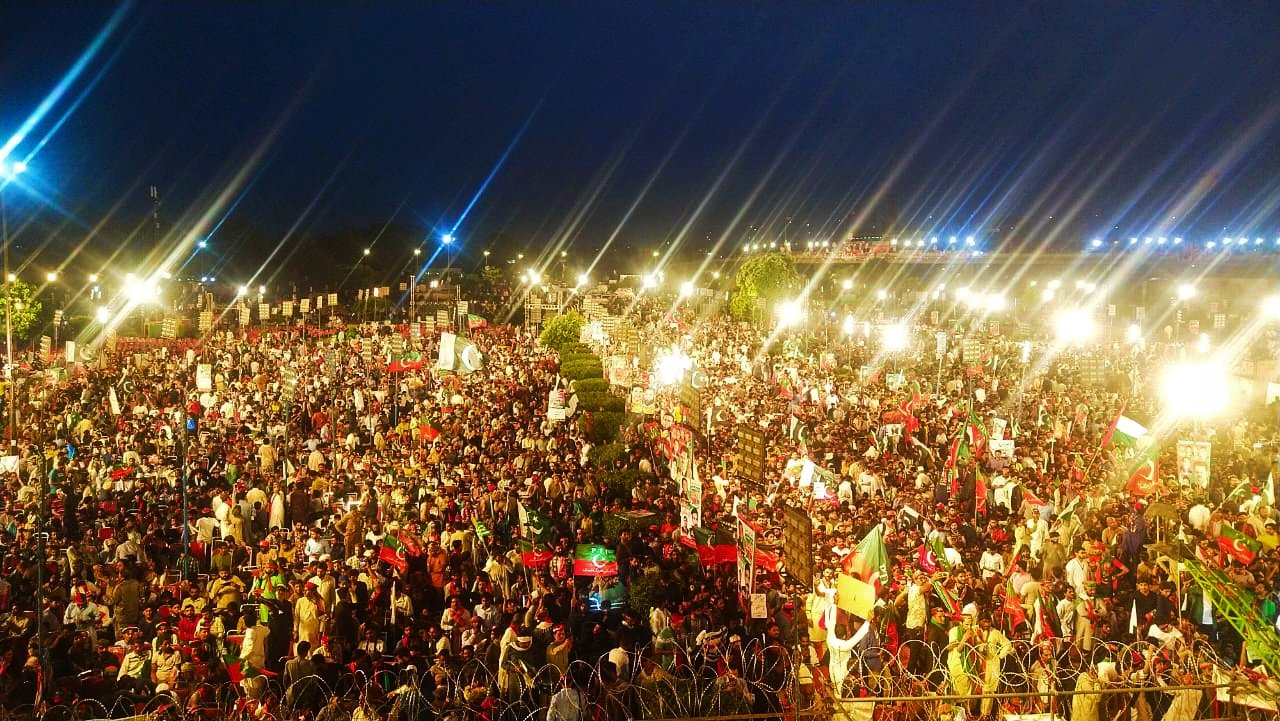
x=619, y=483
x=574, y=349
x=568, y=358
x=590, y=385
x=596, y=402
x=582, y=370
x=606, y=455
x=602, y=427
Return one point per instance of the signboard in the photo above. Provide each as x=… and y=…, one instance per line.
x=286, y=308
x=1001, y=447
x=206, y=321
x=442, y=319
x=797, y=545
x=940, y=349
x=244, y=316
x=332, y=300
x=304, y=306
x=751, y=452
x=972, y=350
x=264, y=311
x=1193, y=463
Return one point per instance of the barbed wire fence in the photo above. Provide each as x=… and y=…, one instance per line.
x=751, y=680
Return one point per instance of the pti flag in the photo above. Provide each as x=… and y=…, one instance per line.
x=407, y=361
x=474, y=321
x=870, y=560
x=1237, y=545
x=593, y=560
x=393, y=553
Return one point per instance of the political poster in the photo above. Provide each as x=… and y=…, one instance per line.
x=1193, y=463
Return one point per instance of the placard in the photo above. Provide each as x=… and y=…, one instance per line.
x=204, y=377
x=853, y=595
x=759, y=606
x=1001, y=446
x=797, y=545
x=1194, y=463
x=751, y=452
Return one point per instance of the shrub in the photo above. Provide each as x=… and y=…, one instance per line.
x=582, y=370
x=562, y=330
x=640, y=592
x=590, y=385
x=574, y=349
x=619, y=483
x=602, y=427
x=601, y=402
x=607, y=455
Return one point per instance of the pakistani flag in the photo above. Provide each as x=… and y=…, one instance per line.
x=1144, y=475
x=482, y=530
x=1124, y=431
x=393, y=553
x=593, y=560
x=1237, y=545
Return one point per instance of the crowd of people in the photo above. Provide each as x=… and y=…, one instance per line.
x=359, y=536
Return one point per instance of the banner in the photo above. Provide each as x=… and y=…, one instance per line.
x=446, y=359
x=1001, y=447
x=1193, y=463
x=746, y=557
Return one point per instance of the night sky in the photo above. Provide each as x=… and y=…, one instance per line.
x=652, y=122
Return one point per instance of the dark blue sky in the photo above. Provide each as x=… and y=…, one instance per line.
x=950, y=117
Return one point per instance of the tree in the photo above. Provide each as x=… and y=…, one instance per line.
x=562, y=330
x=765, y=279
x=26, y=309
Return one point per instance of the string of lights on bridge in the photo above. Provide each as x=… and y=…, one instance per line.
x=970, y=244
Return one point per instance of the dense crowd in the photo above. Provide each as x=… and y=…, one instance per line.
x=411, y=535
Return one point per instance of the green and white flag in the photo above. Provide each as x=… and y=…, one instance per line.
x=1124, y=432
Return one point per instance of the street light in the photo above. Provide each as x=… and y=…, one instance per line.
x=1074, y=327
x=1271, y=306
x=51, y=276
x=849, y=324
x=686, y=289
x=447, y=239
x=1186, y=291
x=242, y=291
x=1195, y=390
x=847, y=284
x=583, y=279
x=790, y=313
x=894, y=337
x=1134, y=334
x=417, y=252
x=535, y=277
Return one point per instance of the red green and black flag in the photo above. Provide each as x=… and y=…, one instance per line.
x=1239, y=546
x=393, y=553
x=533, y=556
x=594, y=560
x=474, y=321
x=407, y=361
